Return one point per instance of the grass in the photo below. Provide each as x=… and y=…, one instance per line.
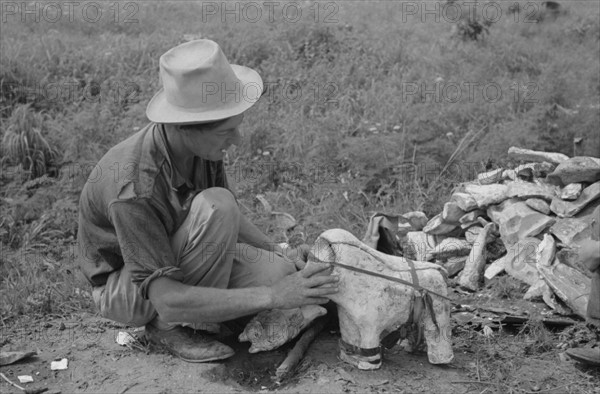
x=345, y=131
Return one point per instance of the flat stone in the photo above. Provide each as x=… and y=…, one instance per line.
x=436, y=226
x=571, y=258
x=417, y=219
x=509, y=174
x=517, y=221
x=472, y=233
x=567, y=209
x=536, y=291
x=496, y=268
x=539, y=205
x=532, y=155
x=521, y=261
x=577, y=169
x=471, y=217
x=418, y=245
x=451, y=247
x=472, y=275
x=527, y=190
x=569, y=285
x=486, y=195
x=454, y=265
x=487, y=178
x=571, y=231
x=464, y=201
x=571, y=192
x=535, y=169
x=452, y=212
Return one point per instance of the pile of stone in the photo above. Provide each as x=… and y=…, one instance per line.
x=527, y=222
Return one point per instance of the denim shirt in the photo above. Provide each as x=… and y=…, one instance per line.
x=132, y=203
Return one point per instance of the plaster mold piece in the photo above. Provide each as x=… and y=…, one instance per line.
x=539, y=205
x=471, y=275
x=487, y=178
x=270, y=329
x=577, y=169
x=371, y=307
x=571, y=192
x=532, y=155
x=566, y=209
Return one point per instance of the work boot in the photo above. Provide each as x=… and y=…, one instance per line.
x=189, y=345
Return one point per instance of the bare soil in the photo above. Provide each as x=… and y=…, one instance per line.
x=511, y=360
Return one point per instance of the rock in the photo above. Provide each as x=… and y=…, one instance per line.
x=517, y=221
x=576, y=169
x=454, y=265
x=570, y=231
x=417, y=219
x=572, y=191
x=418, y=245
x=536, y=291
x=546, y=251
x=464, y=201
x=436, y=226
x=539, y=205
x=571, y=258
x=451, y=247
x=496, y=268
x=521, y=261
x=470, y=218
x=486, y=195
x=527, y=190
x=550, y=300
x=537, y=170
x=452, y=212
x=487, y=178
x=472, y=233
x=509, y=174
x=471, y=276
x=531, y=155
x=570, y=285
x=567, y=209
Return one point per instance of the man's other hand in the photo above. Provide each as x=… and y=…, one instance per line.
x=305, y=287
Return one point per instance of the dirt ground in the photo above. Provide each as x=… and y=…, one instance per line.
x=507, y=361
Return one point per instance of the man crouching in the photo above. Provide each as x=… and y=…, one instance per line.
x=161, y=238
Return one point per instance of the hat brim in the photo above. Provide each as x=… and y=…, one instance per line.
x=159, y=110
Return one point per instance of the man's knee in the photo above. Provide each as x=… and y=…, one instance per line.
x=220, y=201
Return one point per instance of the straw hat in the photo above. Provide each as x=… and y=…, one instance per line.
x=200, y=86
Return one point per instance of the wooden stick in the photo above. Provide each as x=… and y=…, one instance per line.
x=295, y=355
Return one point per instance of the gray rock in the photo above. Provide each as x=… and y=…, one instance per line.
x=572, y=191
x=436, y=226
x=454, y=265
x=577, y=169
x=487, y=178
x=571, y=231
x=486, y=195
x=464, y=201
x=452, y=212
x=521, y=261
x=567, y=209
x=539, y=205
x=531, y=155
x=527, y=190
x=517, y=221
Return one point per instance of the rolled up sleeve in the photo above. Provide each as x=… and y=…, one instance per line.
x=144, y=242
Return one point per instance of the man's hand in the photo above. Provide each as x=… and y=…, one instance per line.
x=297, y=255
x=304, y=287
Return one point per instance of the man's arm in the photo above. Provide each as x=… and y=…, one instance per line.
x=176, y=302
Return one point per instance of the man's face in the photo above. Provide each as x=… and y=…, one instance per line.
x=211, y=143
